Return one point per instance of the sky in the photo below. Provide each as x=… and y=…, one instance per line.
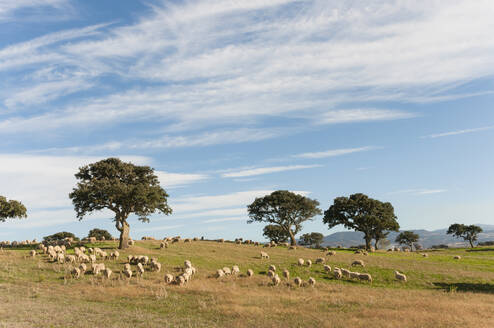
x=229, y=100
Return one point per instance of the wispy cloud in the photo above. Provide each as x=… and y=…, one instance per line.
x=453, y=133
x=266, y=170
x=362, y=115
x=9, y=7
x=334, y=152
x=226, y=219
x=418, y=191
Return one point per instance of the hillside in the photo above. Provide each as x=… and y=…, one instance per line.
x=427, y=238
x=38, y=293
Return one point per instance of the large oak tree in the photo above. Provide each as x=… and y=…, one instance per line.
x=467, y=232
x=123, y=188
x=362, y=213
x=407, y=238
x=285, y=209
x=11, y=209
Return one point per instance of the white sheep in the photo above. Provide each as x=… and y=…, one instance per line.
x=71, y=258
x=331, y=253
x=400, y=276
x=354, y=275
x=337, y=273
x=272, y=268
x=168, y=278
x=227, y=270
x=114, y=255
x=156, y=266
x=264, y=255
x=271, y=274
x=180, y=280
x=82, y=268
x=220, y=273
x=365, y=276
x=127, y=266
x=300, y=262
x=309, y=263
x=358, y=262
x=345, y=273
x=32, y=253
x=235, y=269
x=92, y=258
x=128, y=273
x=276, y=280
x=286, y=274
x=187, y=264
x=311, y=281
x=76, y=273
x=425, y=255
x=140, y=269
x=297, y=281
x=107, y=272
x=250, y=273
x=60, y=258
x=457, y=257
x=327, y=268
x=320, y=260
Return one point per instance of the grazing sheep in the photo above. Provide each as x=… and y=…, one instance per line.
x=180, y=280
x=32, y=253
x=272, y=268
x=300, y=262
x=76, y=273
x=220, y=273
x=250, y=273
x=297, y=281
x=71, y=258
x=235, y=269
x=292, y=247
x=227, y=270
x=187, y=264
x=130, y=258
x=286, y=274
x=155, y=266
x=221, y=240
x=400, y=276
x=107, y=272
x=457, y=257
x=271, y=274
x=311, y=281
x=187, y=240
x=127, y=273
x=168, y=278
x=358, y=262
x=96, y=268
x=354, y=275
x=131, y=243
x=345, y=272
x=163, y=244
x=92, y=258
x=82, y=268
x=327, y=268
x=140, y=269
x=114, y=255
x=276, y=280
x=320, y=260
x=337, y=273
x=127, y=266
x=60, y=258
x=264, y=255
x=309, y=263
x=425, y=255
x=365, y=276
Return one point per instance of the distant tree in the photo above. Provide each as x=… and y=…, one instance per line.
x=313, y=238
x=275, y=233
x=383, y=243
x=379, y=236
x=99, y=234
x=123, y=188
x=408, y=238
x=60, y=236
x=467, y=232
x=362, y=213
x=285, y=209
x=11, y=209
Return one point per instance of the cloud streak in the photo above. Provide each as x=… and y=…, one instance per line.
x=334, y=152
x=267, y=170
x=457, y=132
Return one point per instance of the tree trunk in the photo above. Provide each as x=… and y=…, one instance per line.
x=124, y=236
x=368, y=240
x=376, y=246
x=292, y=238
x=471, y=243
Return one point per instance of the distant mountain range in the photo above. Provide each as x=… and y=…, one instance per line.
x=427, y=238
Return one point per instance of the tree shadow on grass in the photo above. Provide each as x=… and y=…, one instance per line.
x=480, y=250
x=466, y=287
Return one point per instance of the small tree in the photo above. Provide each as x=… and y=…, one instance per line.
x=285, y=209
x=467, y=232
x=11, y=209
x=99, y=234
x=123, y=188
x=383, y=243
x=313, y=238
x=362, y=213
x=407, y=238
x=275, y=233
x=60, y=236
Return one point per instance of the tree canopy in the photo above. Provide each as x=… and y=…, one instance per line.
x=60, y=236
x=467, y=232
x=123, y=188
x=407, y=238
x=362, y=213
x=286, y=209
x=275, y=233
x=11, y=209
x=99, y=234
x=313, y=238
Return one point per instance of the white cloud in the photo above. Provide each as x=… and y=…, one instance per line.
x=334, y=152
x=266, y=170
x=418, y=191
x=226, y=219
x=9, y=7
x=453, y=133
x=170, y=180
x=361, y=115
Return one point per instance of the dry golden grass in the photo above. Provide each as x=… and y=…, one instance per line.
x=35, y=293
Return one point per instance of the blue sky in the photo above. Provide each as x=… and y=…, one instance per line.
x=230, y=100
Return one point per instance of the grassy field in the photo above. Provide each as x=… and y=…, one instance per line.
x=441, y=291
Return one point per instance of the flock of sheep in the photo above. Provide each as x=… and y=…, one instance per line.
x=85, y=260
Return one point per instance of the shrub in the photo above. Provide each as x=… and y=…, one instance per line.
x=487, y=243
x=439, y=246
x=60, y=236
x=99, y=234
